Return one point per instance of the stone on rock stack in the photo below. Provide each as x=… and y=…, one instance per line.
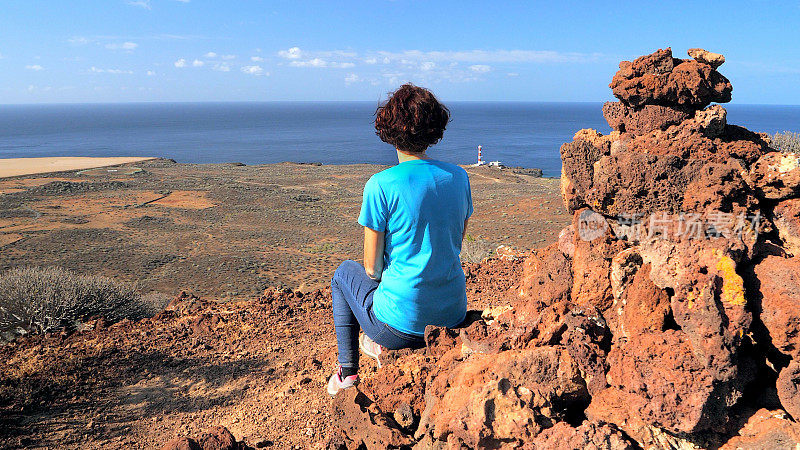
x=660, y=79
x=704, y=56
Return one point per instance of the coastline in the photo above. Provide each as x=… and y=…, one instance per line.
x=14, y=167
x=17, y=167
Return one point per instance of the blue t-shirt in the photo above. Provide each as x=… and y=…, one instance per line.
x=421, y=206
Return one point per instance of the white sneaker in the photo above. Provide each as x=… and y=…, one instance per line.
x=370, y=348
x=336, y=383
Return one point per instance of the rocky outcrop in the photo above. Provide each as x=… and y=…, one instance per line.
x=665, y=316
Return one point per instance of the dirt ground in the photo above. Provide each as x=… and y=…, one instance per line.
x=226, y=231
x=254, y=363
x=257, y=367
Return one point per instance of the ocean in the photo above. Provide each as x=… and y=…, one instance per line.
x=517, y=134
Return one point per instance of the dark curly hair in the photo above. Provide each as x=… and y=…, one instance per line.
x=412, y=119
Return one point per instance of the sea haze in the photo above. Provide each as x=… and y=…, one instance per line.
x=518, y=134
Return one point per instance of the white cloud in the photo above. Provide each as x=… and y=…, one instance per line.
x=492, y=56
x=140, y=3
x=256, y=59
x=150, y=73
x=222, y=67
x=352, y=78
x=180, y=63
x=197, y=63
x=371, y=60
x=78, y=40
x=228, y=57
x=480, y=68
x=512, y=74
x=210, y=55
x=427, y=65
x=316, y=62
x=319, y=62
x=292, y=53
x=113, y=71
x=129, y=46
x=254, y=70
x=35, y=67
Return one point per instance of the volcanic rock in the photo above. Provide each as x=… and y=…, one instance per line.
x=704, y=56
x=662, y=381
x=587, y=435
x=577, y=171
x=182, y=443
x=361, y=423
x=643, y=120
x=502, y=399
x=708, y=301
x=776, y=175
x=766, y=429
x=779, y=285
x=595, y=246
x=707, y=137
x=786, y=217
x=789, y=388
x=547, y=275
x=660, y=79
x=642, y=308
x=630, y=183
x=218, y=438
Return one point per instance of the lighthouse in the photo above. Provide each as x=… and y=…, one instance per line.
x=480, y=159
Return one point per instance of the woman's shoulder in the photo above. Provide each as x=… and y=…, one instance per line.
x=457, y=171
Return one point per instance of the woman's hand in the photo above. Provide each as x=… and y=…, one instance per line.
x=373, y=253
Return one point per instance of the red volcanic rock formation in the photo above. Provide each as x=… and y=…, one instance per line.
x=666, y=315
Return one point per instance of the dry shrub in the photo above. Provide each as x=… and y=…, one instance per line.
x=475, y=250
x=787, y=141
x=41, y=300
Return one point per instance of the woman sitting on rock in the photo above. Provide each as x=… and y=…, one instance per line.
x=414, y=215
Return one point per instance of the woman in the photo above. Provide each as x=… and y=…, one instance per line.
x=414, y=216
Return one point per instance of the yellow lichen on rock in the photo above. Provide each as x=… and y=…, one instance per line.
x=732, y=283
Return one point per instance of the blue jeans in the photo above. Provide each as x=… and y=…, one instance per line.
x=352, y=290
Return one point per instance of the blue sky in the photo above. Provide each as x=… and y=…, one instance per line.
x=203, y=50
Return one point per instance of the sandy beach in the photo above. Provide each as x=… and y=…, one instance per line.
x=13, y=167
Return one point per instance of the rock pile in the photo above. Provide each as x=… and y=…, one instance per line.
x=666, y=315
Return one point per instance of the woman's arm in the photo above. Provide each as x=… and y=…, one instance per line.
x=373, y=253
x=464, y=234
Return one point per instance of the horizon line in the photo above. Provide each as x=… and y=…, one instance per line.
x=190, y=102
